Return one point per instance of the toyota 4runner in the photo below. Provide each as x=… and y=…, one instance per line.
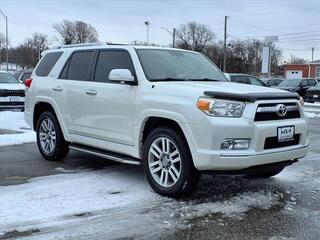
x=173, y=111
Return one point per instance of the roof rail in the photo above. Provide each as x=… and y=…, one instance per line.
x=80, y=45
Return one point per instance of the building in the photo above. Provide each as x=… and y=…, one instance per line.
x=308, y=70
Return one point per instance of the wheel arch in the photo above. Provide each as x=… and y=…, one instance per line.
x=152, y=122
x=43, y=105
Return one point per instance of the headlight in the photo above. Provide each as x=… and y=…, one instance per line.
x=220, y=107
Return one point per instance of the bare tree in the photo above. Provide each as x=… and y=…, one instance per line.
x=72, y=32
x=297, y=60
x=2, y=45
x=194, y=36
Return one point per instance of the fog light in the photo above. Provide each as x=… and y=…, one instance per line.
x=235, y=144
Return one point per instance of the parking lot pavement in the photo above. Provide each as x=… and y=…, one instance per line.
x=86, y=197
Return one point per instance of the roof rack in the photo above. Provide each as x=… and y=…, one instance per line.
x=80, y=45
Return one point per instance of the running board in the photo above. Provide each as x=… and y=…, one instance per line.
x=106, y=154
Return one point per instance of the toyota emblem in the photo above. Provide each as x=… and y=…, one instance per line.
x=281, y=110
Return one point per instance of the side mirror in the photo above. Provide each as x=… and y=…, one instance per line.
x=121, y=75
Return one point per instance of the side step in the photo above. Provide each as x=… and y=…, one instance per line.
x=106, y=154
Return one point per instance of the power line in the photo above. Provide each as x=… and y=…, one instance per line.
x=279, y=12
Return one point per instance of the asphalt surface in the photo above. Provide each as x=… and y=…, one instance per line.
x=295, y=216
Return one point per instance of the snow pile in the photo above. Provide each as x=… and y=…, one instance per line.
x=240, y=203
x=47, y=199
x=15, y=121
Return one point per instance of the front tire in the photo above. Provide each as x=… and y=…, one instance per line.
x=50, y=140
x=168, y=164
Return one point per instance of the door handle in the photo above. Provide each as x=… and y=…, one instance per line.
x=91, y=92
x=57, y=89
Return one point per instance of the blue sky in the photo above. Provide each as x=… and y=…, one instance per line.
x=296, y=22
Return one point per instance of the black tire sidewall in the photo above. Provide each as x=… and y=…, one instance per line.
x=186, y=162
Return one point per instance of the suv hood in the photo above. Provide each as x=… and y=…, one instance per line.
x=226, y=90
x=238, y=88
x=12, y=86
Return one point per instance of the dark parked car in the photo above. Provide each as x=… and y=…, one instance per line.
x=22, y=76
x=271, y=82
x=246, y=79
x=299, y=86
x=313, y=94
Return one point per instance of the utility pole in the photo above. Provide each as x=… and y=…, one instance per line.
x=147, y=23
x=256, y=62
x=174, y=38
x=225, y=44
x=312, y=50
x=7, y=39
x=173, y=34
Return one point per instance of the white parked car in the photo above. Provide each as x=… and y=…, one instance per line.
x=12, y=92
x=173, y=111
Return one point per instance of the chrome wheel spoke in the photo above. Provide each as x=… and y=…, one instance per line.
x=155, y=170
x=156, y=151
x=173, y=175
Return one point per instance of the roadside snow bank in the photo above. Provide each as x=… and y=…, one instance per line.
x=15, y=121
x=62, y=195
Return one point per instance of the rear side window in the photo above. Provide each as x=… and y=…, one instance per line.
x=109, y=60
x=255, y=81
x=312, y=82
x=47, y=63
x=79, y=66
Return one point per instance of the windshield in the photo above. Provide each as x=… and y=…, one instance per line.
x=174, y=65
x=290, y=83
x=7, y=78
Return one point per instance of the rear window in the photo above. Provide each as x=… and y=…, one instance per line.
x=47, y=63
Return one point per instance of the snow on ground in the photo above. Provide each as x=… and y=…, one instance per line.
x=50, y=200
x=15, y=121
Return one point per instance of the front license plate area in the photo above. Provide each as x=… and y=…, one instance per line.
x=286, y=133
x=14, y=99
x=315, y=96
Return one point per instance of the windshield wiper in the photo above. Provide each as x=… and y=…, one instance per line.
x=184, y=79
x=168, y=79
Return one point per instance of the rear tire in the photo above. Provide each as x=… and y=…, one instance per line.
x=50, y=140
x=266, y=174
x=168, y=164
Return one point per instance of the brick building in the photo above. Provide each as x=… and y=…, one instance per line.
x=311, y=70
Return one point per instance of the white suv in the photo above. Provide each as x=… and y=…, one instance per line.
x=170, y=110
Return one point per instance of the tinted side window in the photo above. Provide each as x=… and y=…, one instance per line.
x=255, y=81
x=79, y=66
x=312, y=82
x=304, y=83
x=47, y=62
x=239, y=79
x=109, y=60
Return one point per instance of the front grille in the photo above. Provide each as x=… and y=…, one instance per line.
x=268, y=112
x=12, y=93
x=272, y=142
x=11, y=104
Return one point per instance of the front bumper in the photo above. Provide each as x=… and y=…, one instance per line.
x=207, y=154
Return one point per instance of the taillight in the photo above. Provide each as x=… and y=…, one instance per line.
x=28, y=82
